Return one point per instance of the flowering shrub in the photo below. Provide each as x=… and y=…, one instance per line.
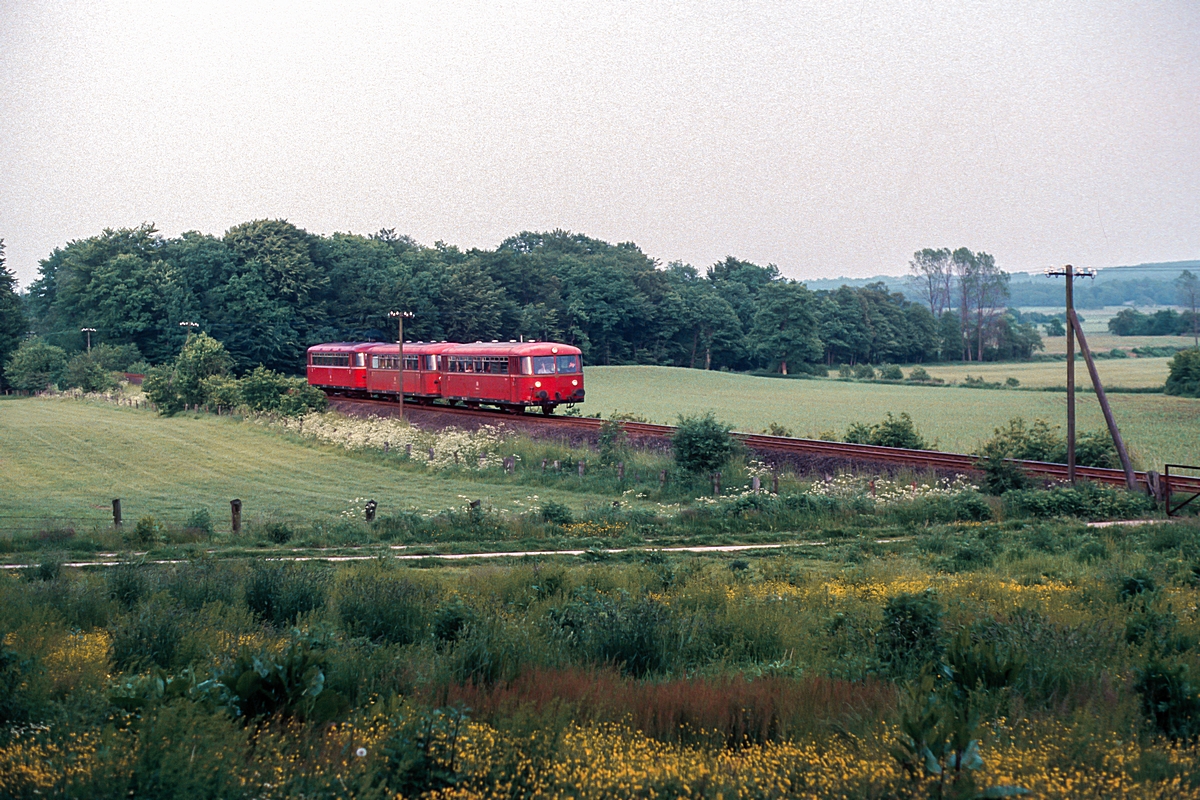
x=452, y=448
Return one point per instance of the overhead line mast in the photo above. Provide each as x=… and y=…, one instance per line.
x=1075, y=329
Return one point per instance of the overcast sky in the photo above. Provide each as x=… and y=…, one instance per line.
x=829, y=138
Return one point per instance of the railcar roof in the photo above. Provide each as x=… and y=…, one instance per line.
x=514, y=349
x=339, y=347
x=413, y=348
x=454, y=348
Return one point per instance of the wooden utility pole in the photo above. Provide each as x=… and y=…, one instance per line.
x=400, y=316
x=1071, y=275
x=1075, y=329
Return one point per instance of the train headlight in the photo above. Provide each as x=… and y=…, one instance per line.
x=574, y=383
x=537, y=384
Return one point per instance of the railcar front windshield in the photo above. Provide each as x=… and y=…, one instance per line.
x=543, y=365
x=568, y=363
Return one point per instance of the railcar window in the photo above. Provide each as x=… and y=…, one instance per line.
x=330, y=360
x=431, y=363
x=361, y=359
x=543, y=365
x=487, y=365
x=526, y=365
x=412, y=363
x=568, y=363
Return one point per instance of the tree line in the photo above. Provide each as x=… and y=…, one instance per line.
x=267, y=290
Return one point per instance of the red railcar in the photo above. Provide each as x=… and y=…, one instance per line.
x=422, y=369
x=513, y=374
x=510, y=375
x=339, y=366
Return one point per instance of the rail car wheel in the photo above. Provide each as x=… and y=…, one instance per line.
x=548, y=410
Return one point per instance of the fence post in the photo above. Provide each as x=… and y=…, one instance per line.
x=620, y=470
x=1154, y=485
x=370, y=510
x=235, y=516
x=431, y=454
x=408, y=451
x=582, y=468
x=662, y=479
x=386, y=446
x=116, y=512
x=775, y=483
x=510, y=464
x=716, y=479
x=756, y=484
x=557, y=466
x=544, y=462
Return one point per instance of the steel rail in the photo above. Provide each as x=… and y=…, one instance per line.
x=928, y=459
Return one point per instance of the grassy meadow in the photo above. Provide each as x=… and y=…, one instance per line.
x=67, y=459
x=1158, y=429
x=1126, y=373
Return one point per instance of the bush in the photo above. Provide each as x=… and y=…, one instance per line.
x=200, y=521
x=171, y=387
x=148, y=531
x=891, y=372
x=14, y=685
x=127, y=583
x=864, y=372
x=1183, y=376
x=1041, y=442
x=422, y=754
x=221, y=391
x=277, y=532
x=290, y=684
x=85, y=372
x=615, y=630
x=266, y=390
x=1086, y=500
x=611, y=442
x=451, y=621
x=556, y=513
x=35, y=366
x=148, y=635
x=1170, y=699
x=919, y=375
x=701, y=444
x=891, y=432
x=279, y=593
x=911, y=634
x=384, y=606
x=845, y=371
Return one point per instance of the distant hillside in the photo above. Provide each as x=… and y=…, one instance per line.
x=1141, y=284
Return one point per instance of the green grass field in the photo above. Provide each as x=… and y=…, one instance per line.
x=68, y=459
x=1158, y=428
x=1129, y=373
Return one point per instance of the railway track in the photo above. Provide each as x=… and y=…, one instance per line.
x=923, y=459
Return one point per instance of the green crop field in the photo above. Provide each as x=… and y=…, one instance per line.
x=1129, y=373
x=68, y=459
x=1158, y=428
x=1103, y=342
